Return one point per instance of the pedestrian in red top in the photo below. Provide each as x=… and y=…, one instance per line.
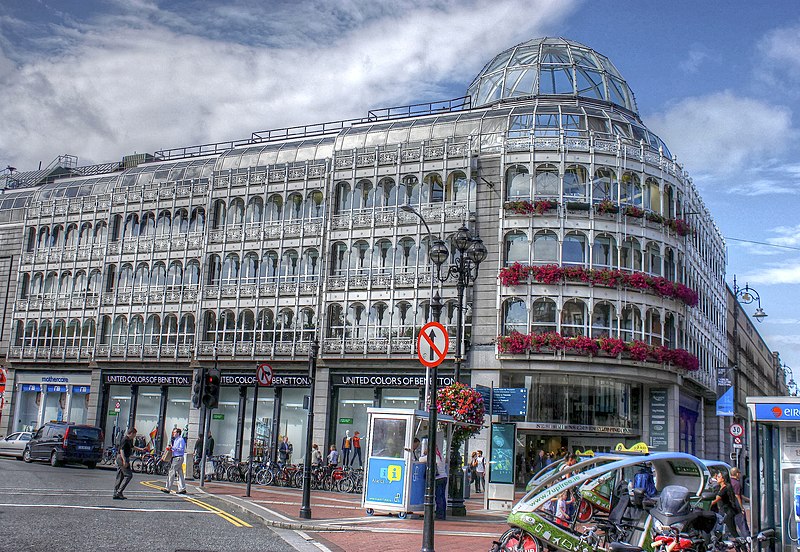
x=356, y=444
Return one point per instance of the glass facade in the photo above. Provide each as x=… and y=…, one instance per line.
x=223, y=421
x=147, y=410
x=293, y=421
x=264, y=443
x=117, y=422
x=30, y=399
x=55, y=403
x=79, y=406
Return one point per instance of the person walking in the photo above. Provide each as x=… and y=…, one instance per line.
x=728, y=505
x=480, y=472
x=178, y=450
x=740, y=518
x=356, y=444
x=124, y=472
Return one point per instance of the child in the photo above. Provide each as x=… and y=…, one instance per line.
x=563, y=507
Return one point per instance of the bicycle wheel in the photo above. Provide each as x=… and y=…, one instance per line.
x=136, y=465
x=269, y=476
x=346, y=484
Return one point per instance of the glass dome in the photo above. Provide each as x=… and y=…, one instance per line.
x=548, y=67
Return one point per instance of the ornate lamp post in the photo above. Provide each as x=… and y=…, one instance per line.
x=470, y=253
x=788, y=377
x=305, y=507
x=748, y=295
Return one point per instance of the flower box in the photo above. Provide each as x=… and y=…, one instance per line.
x=578, y=206
x=607, y=207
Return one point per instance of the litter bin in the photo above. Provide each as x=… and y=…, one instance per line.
x=467, y=481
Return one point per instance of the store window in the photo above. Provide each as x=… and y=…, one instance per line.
x=177, y=411
x=117, y=422
x=351, y=413
x=55, y=403
x=148, y=406
x=293, y=421
x=399, y=398
x=223, y=421
x=30, y=399
x=263, y=441
x=79, y=404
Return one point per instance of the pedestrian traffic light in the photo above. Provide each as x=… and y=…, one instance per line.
x=197, y=387
x=211, y=388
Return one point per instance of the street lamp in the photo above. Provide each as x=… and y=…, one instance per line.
x=788, y=377
x=305, y=508
x=748, y=295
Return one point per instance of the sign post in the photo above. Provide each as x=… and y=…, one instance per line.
x=432, y=345
x=263, y=377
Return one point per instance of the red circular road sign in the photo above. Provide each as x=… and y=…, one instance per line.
x=736, y=430
x=432, y=344
x=264, y=375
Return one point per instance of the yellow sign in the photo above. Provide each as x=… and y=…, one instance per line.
x=638, y=447
x=588, y=453
x=394, y=472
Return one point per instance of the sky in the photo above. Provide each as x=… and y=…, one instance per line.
x=718, y=81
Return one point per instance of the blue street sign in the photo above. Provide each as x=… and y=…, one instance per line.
x=777, y=412
x=725, y=403
x=506, y=401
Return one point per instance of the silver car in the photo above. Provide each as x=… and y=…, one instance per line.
x=14, y=444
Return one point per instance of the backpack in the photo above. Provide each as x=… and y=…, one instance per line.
x=644, y=480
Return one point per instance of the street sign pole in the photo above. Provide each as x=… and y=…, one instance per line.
x=252, y=437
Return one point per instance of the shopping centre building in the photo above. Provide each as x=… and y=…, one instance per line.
x=121, y=278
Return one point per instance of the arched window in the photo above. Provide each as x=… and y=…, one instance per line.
x=604, y=320
x=169, y=330
x=37, y=284
x=515, y=316
x=377, y=321
x=631, y=255
x=335, y=319
x=363, y=195
x=461, y=189
x=119, y=332
x=186, y=330
x=100, y=232
x=250, y=268
x=19, y=333
x=604, y=251
x=30, y=239
x=235, y=212
x=356, y=321
x=669, y=200
x=518, y=183
x=180, y=222
x=148, y=225
x=573, y=249
x=669, y=264
x=141, y=277
x=209, y=326
x=214, y=269
x=631, y=323
x=255, y=210
x=309, y=266
x=164, y=223
x=545, y=247
x=230, y=269
x=31, y=334
x=88, y=333
x=339, y=259
x=71, y=236
x=117, y=227
x=670, y=337
x=405, y=255
x=544, y=316
x=385, y=193
x=135, y=330
x=313, y=205
x=50, y=283
x=79, y=283
x=85, y=235
x=654, y=331
x=652, y=195
x=382, y=256
x=294, y=207
x=218, y=212
x=307, y=323
x=24, y=286
x=344, y=199
x=631, y=189
x=158, y=276
x=65, y=284
x=434, y=190
x=198, y=220
x=95, y=282
x=409, y=190
x=517, y=249
x=73, y=333
x=652, y=259
x=52, y=335
x=573, y=318
x=226, y=327
x=265, y=326
x=191, y=276
x=131, y=226
x=55, y=236
x=402, y=320
x=245, y=326
x=152, y=330
x=604, y=185
x=290, y=264
x=547, y=181
x=285, y=325
x=273, y=211
x=44, y=237
x=175, y=274
x=576, y=179
x=268, y=269
x=359, y=257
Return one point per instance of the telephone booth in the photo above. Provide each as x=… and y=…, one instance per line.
x=394, y=475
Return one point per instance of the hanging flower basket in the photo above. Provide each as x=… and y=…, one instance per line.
x=633, y=211
x=464, y=404
x=607, y=207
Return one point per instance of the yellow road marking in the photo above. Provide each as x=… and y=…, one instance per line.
x=230, y=518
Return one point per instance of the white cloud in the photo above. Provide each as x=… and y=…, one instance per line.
x=146, y=79
x=780, y=52
x=721, y=134
x=695, y=57
x=787, y=236
x=787, y=273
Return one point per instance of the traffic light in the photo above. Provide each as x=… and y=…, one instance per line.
x=211, y=388
x=197, y=387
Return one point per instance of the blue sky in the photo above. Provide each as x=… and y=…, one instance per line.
x=718, y=81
